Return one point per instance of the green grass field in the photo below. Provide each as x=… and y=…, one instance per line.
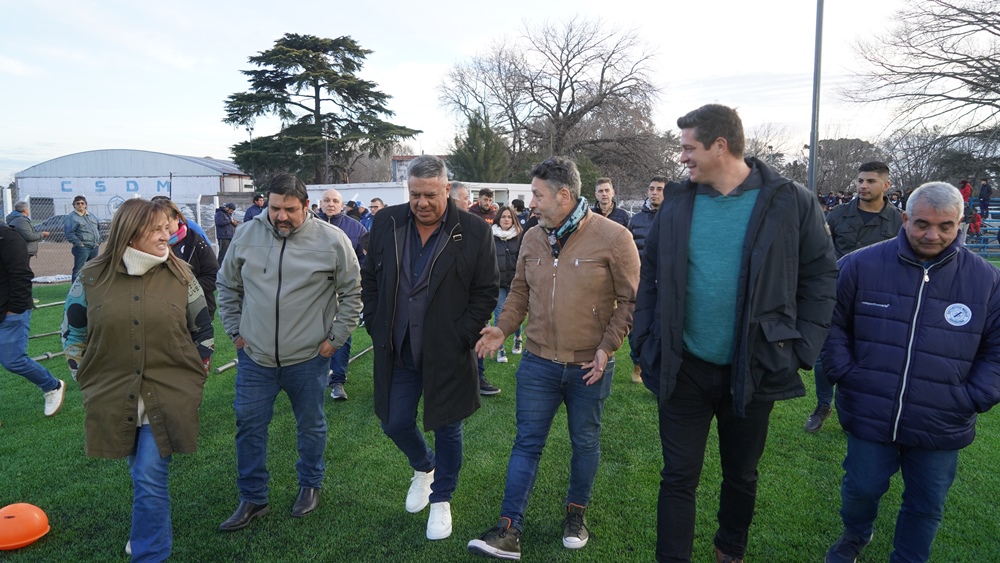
x=361, y=516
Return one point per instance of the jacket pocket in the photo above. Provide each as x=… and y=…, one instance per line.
x=774, y=362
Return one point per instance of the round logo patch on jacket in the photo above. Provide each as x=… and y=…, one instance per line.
x=958, y=314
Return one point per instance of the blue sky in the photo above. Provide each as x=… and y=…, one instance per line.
x=84, y=75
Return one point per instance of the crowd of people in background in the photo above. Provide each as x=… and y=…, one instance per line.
x=726, y=285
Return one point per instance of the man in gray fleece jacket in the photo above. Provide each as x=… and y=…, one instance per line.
x=289, y=297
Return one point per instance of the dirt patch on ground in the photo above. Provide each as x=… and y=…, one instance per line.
x=53, y=259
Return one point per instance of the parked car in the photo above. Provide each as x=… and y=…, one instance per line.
x=54, y=225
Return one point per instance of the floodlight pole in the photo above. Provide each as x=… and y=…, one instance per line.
x=814, y=134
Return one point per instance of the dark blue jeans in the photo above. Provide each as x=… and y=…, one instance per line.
x=824, y=389
x=927, y=476
x=446, y=459
x=82, y=255
x=257, y=387
x=339, y=361
x=703, y=393
x=542, y=386
x=13, y=352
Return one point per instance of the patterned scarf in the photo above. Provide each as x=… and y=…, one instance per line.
x=182, y=232
x=559, y=235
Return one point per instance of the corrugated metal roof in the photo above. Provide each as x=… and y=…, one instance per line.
x=128, y=162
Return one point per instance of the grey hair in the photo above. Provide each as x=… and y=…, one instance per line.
x=456, y=187
x=940, y=196
x=428, y=166
x=21, y=206
x=557, y=173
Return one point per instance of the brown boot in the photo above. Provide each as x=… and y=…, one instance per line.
x=636, y=374
x=723, y=558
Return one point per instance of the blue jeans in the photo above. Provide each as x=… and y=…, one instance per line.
x=339, y=361
x=82, y=255
x=504, y=291
x=256, y=389
x=13, y=352
x=542, y=386
x=927, y=476
x=824, y=389
x=404, y=394
x=151, y=535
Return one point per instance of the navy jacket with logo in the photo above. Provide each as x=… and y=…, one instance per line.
x=914, y=348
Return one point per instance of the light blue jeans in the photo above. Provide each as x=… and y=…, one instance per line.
x=13, y=351
x=151, y=534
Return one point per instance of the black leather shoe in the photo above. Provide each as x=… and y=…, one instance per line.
x=306, y=502
x=245, y=512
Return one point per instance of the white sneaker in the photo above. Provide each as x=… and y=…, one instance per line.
x=501, y=356
x=439, y=521
x=54, y=399
x=128, y=548
x=420, y=491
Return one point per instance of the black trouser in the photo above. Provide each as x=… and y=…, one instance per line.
x=703, y=392
x=223, y=247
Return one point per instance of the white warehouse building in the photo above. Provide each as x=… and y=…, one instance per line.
x=109, y=177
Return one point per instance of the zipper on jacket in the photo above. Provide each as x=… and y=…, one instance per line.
x=552, y=310
x=909, y=353
x=277, y=305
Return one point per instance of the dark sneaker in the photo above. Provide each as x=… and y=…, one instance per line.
x=517, y=346
x=502, y=541
x=337, y=392
x=817, y=418
x=575, y=532
x=847, y=549
x=485, y=388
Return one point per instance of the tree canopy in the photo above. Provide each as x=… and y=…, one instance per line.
x=939, y=61
x=581, y=88
x=328, y=113
x=481, y=155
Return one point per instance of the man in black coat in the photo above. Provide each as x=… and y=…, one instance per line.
x=736, y=291
x=429, y=284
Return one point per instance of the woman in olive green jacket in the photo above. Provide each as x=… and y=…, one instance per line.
x=139, y=338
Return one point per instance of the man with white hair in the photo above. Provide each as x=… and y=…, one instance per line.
x=332, y=211
x=914, y=350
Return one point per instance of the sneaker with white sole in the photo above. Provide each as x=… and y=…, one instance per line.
x=420, y=491
x=575, y=532
x=54, y=399
x=439, y=521
x=337, y=392
x=502, y=541
x=128, y=548
x=501, y=356
x=517, y=347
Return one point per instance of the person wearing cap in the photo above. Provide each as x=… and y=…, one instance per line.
x=225, y=227
x=80, y=228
